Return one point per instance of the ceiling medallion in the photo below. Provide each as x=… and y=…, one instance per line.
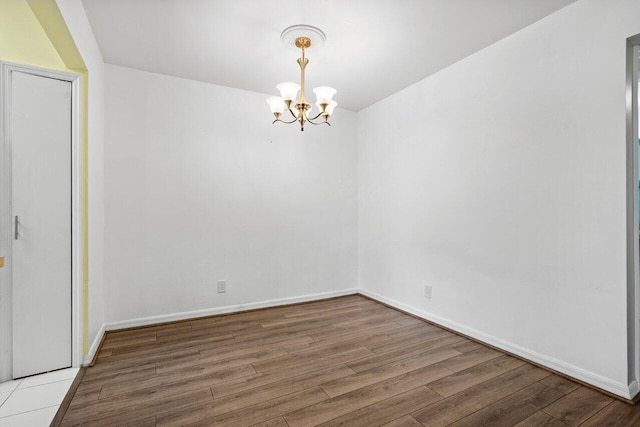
x=305, y=38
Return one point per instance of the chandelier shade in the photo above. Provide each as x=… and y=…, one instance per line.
x=324, y=94
x=303, y=37
x=330, y=107
x=276, y=104
x=288, y=90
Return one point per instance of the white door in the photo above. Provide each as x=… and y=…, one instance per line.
x=40, y=126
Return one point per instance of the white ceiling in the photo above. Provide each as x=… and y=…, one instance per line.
x=373, y=49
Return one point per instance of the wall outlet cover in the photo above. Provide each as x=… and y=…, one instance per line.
x=222, y=286
x=427, y=291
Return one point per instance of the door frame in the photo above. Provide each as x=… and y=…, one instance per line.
x=77, y=219
x=633, y=211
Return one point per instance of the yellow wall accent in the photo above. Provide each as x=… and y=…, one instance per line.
x=53, y=24
x=22, y=38
x=35, y=33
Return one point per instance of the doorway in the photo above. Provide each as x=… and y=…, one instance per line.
x=41, y=220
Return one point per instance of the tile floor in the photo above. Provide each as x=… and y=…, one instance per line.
x=34, y=401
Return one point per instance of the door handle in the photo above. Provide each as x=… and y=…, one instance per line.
x=15, y=228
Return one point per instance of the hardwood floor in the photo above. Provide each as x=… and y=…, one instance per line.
x=343, y=362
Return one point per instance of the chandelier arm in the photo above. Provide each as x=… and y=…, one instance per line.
x=321, y=123
x=285, y=122
x=292, y=113
x=313, y=118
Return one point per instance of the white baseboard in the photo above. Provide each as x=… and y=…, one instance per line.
x=633, y=389
x=87, y=358
x=617, y=388
x=144, y=321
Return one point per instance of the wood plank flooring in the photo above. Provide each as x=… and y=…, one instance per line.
x=342, y=362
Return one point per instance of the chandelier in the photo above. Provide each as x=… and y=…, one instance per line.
x=303, y=37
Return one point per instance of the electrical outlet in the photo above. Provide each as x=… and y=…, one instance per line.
x=222, y=286
x=427, y=291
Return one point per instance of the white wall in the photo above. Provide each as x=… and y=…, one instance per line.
x=78, y=24
x=199, y=186
x=500, y=181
